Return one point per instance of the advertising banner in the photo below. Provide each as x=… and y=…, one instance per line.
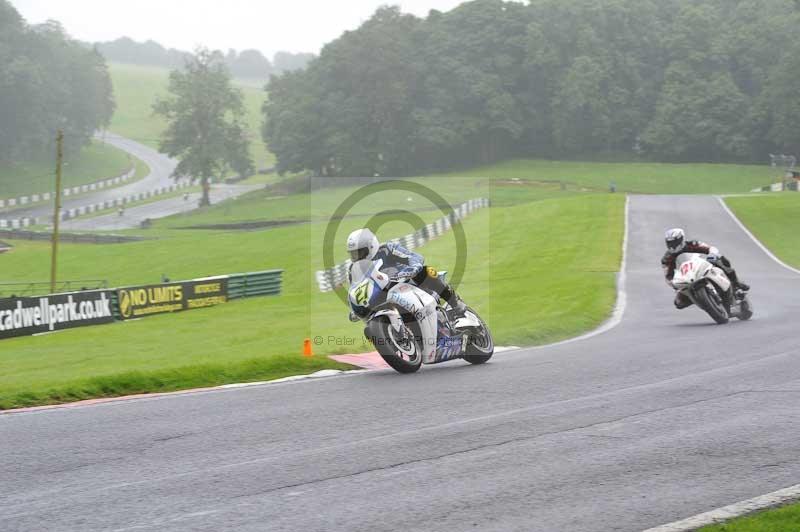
x=141, y=301
x=25, y=316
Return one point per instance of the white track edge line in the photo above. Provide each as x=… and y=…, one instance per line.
x=764, y=248
x=739, y=509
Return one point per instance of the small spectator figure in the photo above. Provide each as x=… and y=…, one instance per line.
x=121, y=211
x=164, y=278
x=185, y=196
x=612, y=187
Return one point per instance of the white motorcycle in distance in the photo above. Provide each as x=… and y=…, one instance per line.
x=709, y=288
x=409, y=327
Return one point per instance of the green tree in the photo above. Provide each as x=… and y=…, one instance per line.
x=205, y=121
x=693, y=80
x=48, y=82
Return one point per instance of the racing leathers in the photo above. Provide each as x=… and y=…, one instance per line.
x=713, y=256
x=411, y=266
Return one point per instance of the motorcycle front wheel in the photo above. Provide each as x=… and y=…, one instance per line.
x=398, y=348
x=481, y=346
x=712, y=303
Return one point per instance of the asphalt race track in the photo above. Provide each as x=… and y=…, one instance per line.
x=663, y=417
x=132, y=217
x=161, y=168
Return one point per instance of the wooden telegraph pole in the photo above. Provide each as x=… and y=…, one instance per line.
x=56, y=209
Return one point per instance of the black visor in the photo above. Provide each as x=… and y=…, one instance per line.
x=359, y=254
x=674, y=244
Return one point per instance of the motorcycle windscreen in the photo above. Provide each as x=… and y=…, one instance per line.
x=359, y=270
x=687, y=268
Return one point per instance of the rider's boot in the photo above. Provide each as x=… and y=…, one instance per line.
x=738, y=285
x=744, y=287
x=431, y=281
x=459, y=307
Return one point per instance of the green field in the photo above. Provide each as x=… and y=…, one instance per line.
x=645, y=178
x=785, y=519
x=774, y=219
x=576, y=258
x=136, y=89
x=95, y=162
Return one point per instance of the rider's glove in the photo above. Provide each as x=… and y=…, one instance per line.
x=406, y=273
x=354, y=317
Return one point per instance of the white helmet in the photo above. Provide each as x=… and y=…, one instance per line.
x=362, y=244
x=675, y=239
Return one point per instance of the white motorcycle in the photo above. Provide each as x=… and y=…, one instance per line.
x=409, y=327
x=709, y=288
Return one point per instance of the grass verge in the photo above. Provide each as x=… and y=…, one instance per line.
x=784, y=519
x=646, y=178
x=576, y=257
x=95, y=162
x=137, y=87
x=774, y=219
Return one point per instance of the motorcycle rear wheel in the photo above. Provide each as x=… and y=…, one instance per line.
x=746, y=310
x=401, y=352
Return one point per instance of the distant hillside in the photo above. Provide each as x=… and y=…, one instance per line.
x=244, y=64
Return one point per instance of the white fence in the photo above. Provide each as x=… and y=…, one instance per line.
x=72, y=191
x=790, y=183
x=69, y=214
x=332, y=278
x=18, y=223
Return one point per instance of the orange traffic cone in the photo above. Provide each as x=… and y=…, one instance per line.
x=307, y=350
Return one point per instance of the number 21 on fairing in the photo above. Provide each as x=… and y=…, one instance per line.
x=362, y=293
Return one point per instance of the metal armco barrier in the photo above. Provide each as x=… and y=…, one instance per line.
x=75, y=238
x=32, y=289
x=266, y=283
x=332, y=278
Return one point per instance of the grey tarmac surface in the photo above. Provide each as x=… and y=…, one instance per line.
x=161, y=168
x=663, y=417
x=132, y=217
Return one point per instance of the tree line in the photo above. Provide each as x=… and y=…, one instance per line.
x=48, y=82
x=670, y=80
x=245, y=64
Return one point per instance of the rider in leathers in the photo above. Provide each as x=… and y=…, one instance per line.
x=363, y=244
x=677, y=244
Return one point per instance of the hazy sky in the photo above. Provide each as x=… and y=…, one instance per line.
x=266, y=25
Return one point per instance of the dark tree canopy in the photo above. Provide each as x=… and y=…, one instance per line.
x=673, y=80
x=48, y=82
